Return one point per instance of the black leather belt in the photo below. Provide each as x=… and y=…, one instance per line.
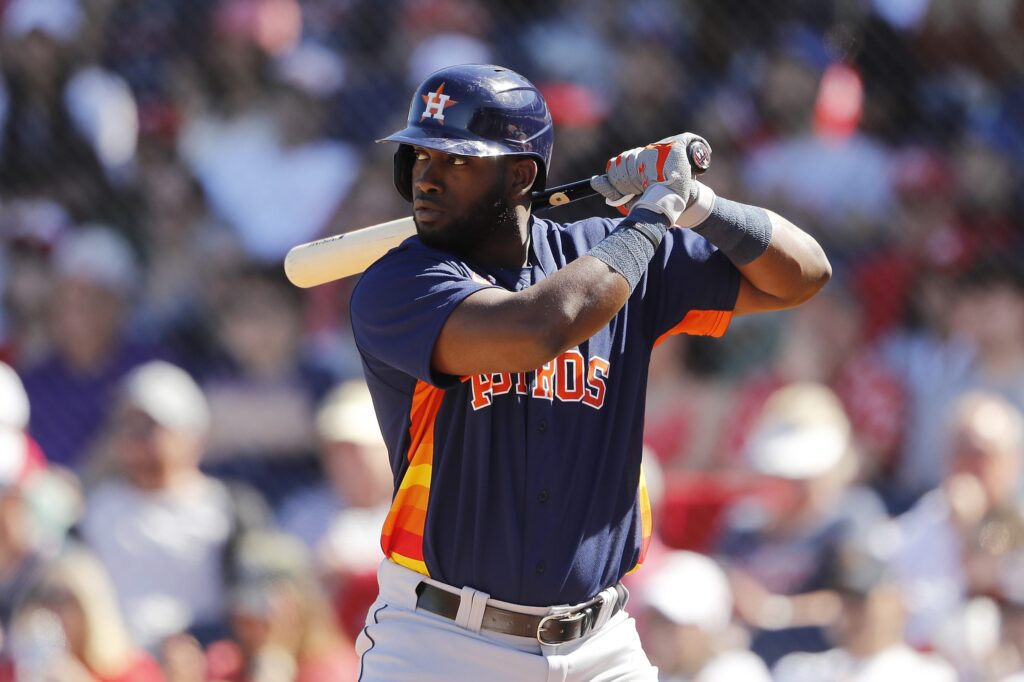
x=556, y=628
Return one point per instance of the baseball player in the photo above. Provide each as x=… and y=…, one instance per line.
x=507, y=359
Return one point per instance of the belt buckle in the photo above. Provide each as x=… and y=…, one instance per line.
x=562, y=618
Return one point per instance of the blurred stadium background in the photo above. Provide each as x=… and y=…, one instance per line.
x=191, y=483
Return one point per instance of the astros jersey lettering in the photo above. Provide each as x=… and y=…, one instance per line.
x=526, y=486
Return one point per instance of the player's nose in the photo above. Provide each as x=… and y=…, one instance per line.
x=427, y=177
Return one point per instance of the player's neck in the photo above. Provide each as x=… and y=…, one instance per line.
x=507, y=249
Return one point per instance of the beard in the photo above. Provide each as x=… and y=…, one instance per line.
x=490, y=219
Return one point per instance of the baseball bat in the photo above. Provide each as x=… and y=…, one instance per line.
x=350, y=253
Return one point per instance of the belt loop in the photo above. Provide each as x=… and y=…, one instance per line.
x=476, y=611
x=610, y=599
x=471, y=609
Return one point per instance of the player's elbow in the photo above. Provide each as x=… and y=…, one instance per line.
x=817, y=272
x=814, y=276
x=542, y=338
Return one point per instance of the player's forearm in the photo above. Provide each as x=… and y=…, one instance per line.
x=782, y=265
x=499, y=331
x=791, y=270
x=575, y=303
x=585, y=295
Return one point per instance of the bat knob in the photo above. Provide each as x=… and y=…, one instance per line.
x=700, y=156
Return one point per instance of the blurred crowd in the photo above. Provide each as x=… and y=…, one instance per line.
x=192, y=482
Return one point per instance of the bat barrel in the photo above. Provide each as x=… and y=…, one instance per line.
x=342, y=255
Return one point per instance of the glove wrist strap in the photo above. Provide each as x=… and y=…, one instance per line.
x=660, y=199
x=698, y=211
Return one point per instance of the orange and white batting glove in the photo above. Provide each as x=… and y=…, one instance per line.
x=642, y=175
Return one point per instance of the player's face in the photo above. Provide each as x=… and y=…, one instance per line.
x=459, y=202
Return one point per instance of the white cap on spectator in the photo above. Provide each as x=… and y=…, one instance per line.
x=168, y=395
x=312, y=68
x=989, y=421
x=346, y=415
x=14, y=409
x=442, y=50
x=36, y=221
x=60, y=19
x=691, y=589
x=95, y=253
x=803, y=432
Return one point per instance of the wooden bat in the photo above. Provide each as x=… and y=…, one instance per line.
x=350, y=253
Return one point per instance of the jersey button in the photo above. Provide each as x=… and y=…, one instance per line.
x=543, y=496
x=542, y=425
x=540, y=567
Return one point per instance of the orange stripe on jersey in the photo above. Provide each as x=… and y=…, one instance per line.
x=700, y=323
x=426, y=401
x=646, y=520
x=402, y=535
x=403, y=508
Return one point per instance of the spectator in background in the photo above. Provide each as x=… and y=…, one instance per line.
x=69, y=628
x=823, y=342
x=924, y=236
x=778, y=554
x=66, y=131
x=990, y=315
x=868, y=633
x=1009, y=655
x=340, y=520
x=972, y=323
x=821, y=165
x=685, y=407
x=950, y=545
x=263, y=388
x=932, y=360
x=686, y=627
x=185, y=250
x=283, y=627
x=30, y=229
x=71, y=388
x=258, y=147
x=342, y=517
x=165, y=531
x=22, y=548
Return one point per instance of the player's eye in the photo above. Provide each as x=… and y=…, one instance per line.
x=419, y=154
x=457, y=160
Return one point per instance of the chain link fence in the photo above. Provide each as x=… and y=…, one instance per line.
x=159, y=157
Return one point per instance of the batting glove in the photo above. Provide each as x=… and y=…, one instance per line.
x=636, y=172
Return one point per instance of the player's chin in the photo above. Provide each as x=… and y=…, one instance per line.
x=429, y=217
x=431, y=222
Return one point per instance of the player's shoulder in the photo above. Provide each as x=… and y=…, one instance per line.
x=409, y=259
x=410, y=265
x=582, y=234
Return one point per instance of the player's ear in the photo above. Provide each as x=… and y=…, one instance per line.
x=522, y=175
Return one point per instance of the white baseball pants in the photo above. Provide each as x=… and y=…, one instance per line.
x=400, y=643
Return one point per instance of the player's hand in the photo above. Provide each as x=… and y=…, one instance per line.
x=666, y=162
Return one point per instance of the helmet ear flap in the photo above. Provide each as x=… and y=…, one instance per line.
x=539, y=185
x=403, y=171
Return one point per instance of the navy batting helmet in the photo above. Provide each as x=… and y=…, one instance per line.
x=475, y=110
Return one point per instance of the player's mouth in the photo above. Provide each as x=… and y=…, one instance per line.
x=427, y=212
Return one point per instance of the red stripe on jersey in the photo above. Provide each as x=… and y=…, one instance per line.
x=407, y=543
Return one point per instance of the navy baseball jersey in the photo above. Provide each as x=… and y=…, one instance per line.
x=526, y=486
